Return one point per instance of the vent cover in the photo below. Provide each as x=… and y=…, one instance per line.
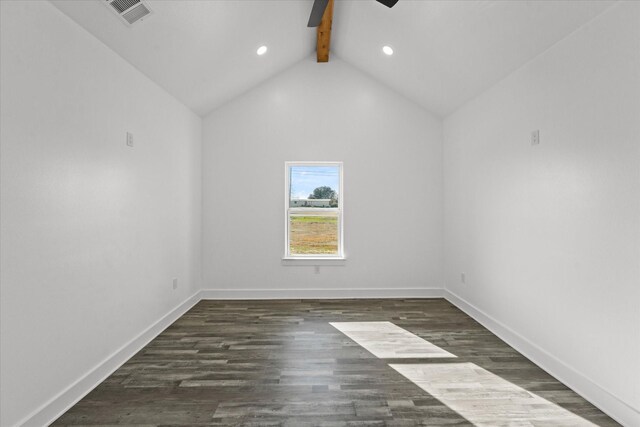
x=129, y=11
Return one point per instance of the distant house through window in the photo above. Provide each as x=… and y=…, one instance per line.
x=313, y=211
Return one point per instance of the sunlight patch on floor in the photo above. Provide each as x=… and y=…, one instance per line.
x=388, y=341
x=484, y=398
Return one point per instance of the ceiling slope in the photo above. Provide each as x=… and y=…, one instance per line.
x=446, y=52
x=204, y=52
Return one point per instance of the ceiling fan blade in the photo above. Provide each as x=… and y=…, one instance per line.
x=388, y=3
x=317, y=11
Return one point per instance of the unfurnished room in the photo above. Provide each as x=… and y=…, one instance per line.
x=331, y=213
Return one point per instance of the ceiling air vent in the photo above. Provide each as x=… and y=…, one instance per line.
x=129, y=11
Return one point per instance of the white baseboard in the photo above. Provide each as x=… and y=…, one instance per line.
x=50, y=411
x=606, y=401
x=615, y=407
x=58, y=405
x=249, y=294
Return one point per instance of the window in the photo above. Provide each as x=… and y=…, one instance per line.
x=313, y=210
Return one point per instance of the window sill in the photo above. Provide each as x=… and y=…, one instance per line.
x=319, y=261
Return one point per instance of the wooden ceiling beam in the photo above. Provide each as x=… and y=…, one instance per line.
x=324, y=34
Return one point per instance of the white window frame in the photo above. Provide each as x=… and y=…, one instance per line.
x=288, y=210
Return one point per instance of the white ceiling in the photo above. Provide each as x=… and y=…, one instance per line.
x=446, y=52
x=204, y=52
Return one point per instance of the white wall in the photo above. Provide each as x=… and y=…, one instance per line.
x=549, y=235
x=92, y=231
x=392, y=157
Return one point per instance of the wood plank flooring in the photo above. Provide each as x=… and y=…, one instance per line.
x=281, y=363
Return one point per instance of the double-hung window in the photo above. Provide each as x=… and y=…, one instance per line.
x=313, y=211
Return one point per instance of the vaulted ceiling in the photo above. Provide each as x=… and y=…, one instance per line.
x=446, y=52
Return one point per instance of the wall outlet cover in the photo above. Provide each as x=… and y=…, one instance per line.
x=535, y=137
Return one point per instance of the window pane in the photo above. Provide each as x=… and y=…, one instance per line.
x=314, y=186
x=313, y=234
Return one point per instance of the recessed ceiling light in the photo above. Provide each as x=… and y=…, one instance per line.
x=261, y=50
x=387, y=50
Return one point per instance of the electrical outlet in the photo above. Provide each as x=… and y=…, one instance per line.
x=535, y=137
x=175, y=283
x=129, y=139
x=463, y=277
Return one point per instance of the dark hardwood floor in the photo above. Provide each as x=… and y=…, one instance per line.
x=281, y=363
